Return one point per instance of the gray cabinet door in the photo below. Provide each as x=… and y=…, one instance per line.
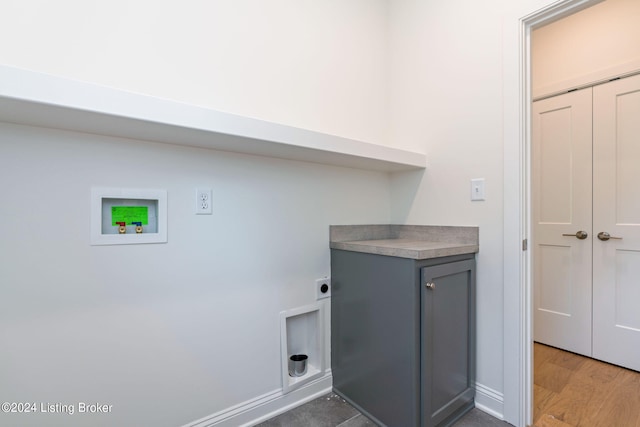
x=447, y=341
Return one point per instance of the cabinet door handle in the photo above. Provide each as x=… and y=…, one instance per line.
x=430, y=285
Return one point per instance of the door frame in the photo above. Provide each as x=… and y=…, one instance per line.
x=517, y=262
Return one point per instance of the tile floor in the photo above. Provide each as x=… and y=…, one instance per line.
x=332, y=411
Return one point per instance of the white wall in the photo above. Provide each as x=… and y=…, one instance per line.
x=158, y=330
x=599, y=42
x=446, y=101
x=166, y=333
x=456, y=91
x=320, y=65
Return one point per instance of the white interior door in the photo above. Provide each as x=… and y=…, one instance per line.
x=616, y=190
x=561, y=186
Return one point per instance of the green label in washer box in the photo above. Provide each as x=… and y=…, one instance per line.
x=129, y=214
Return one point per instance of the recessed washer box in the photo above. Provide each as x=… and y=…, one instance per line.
x=141, y=209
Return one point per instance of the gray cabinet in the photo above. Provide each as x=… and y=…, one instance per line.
x=401, y=352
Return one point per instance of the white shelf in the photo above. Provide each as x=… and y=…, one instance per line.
x=37, y=99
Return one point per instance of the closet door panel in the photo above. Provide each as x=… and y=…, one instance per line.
x=561, y=186
x=616, y=260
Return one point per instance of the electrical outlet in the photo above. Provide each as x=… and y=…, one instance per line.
x=203, y=201
x=323, y=288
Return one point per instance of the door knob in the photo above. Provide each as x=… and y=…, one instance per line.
x=430, y=285
x=604, y=236
x=579, y=235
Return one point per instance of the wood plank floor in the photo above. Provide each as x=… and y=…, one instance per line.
x=576, y=391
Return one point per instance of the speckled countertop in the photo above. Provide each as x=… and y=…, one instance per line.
x=405, y=241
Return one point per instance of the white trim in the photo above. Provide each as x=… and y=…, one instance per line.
x=517, y=335
x=514, y=405
x=133, y=195
x=266, y=406
x=37, y=99
x=594, y=78
x=490, y=401
x=269, y=405
x=311, y=342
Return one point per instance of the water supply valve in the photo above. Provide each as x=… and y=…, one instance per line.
x=122, y=229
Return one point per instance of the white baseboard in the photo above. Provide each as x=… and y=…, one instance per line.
x=490, y=401
x=261, y=408
x=269, y=405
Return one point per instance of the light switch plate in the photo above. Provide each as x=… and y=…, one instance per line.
x=477, y=189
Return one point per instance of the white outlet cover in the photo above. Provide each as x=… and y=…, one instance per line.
x=203, y=201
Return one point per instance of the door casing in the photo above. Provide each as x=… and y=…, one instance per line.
x=518, y=338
